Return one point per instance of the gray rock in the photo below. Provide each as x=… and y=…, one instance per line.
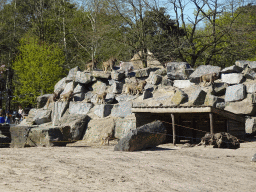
x=72, y=74
x=48, y=136
x=252, y=65
x=244, y=107
x=89, y=96
x=211, y=100
x=81, y=108
x=147, y=94
x=251, y=88
x=250, y=125
x=41, y=100
x=126, y=67
x=19, y=135
x=235, y=93
x=42, y=116
x=202, y=70
x=178, y=70
x=197, y=97
x=179, y=97
x=182, y=84
x=31, y=115
x=110, y=98
x=161, y=72
x=60, y=86
x=79, y=92
x=124, y=97
x=83, y=77
x=242, y=64
x=116, y=87
x=101, y=74
x=154, y=79
x=254, y=158
x=219, y=89
x=99, y=87
x=69, y=87
x=146, y=136
x=123, y=126
x=77, y=124
x=123, y=109
x=58, y=111
x=232, y=78
x=142, y=72
x=232, y=69
x=98, y=128
x=103, y=110
x=249, y=73
x=166, y=81
x=117, y=75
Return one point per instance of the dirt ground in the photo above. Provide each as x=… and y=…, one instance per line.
x=80, y=167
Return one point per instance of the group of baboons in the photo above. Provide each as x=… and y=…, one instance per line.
x=105, y=65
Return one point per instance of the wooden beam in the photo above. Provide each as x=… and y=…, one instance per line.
x=211, y=123
x=173, y=130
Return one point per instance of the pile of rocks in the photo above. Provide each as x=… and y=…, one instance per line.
x=176, y=85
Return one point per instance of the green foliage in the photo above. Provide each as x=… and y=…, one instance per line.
x=37, y=67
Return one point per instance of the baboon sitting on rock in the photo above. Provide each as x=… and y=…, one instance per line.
x=220, y=140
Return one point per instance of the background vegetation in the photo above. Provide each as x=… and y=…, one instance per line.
x=41, y=40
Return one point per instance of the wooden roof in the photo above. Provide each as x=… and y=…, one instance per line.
x=190, y=109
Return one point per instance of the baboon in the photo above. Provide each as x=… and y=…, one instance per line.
x=106, y=138
x=90, y=66
x=110, y=63
x=208, y=78
x=101, y=97
x=131, y=89
x=140, y=87
x=51, y=99
x=66, y=96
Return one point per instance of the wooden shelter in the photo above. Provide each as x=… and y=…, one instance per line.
x=191, y=123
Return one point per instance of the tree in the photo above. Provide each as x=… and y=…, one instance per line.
x=37, y=68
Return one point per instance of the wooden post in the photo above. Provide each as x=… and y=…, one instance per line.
x=211, y=123
x=173, y=130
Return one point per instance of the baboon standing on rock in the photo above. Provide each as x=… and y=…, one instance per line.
x=208, y=78
x=90, y=66
x=101, y=97
x=110, y=63
x=51, y=99
x=66, y=96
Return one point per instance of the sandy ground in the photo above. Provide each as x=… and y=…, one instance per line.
x=79, y=167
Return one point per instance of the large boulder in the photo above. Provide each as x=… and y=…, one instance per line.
x=249, y=73
x=179, y=97
x=48, y=136
x=72, y=74
x=81, y=108
x=103, y=110
x=244, y=107
x=250, y=125
x=19, y=135
x=197, y=97
x=58, y=111
x=116, y=87
x=99, y=87
x=83, y=77
x=79, y=92
x=77, y=125
x=178, y=70
x=140, y=73
x=41, y=100
x=181, y=84
x=124, y=125
x=98, y=128
x=122, y=109
x=42, y=116
x=219, y=89
x=242, y=63
x=232, y=78
x=235, y=93
x=146, y=136
x=101, y=74
x=231, y=69
x=117, y=75
x=211, y=100
x=69, y=87
x=251, y=87
x=60, y=86
x=154, y=78
x=203, y=70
